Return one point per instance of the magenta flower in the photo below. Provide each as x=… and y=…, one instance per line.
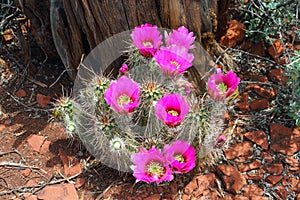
x=171, y=109
x=181, y=156
x=124, y=69
x=123, y=95
x=222, y=86
x=180, y=37
x=151, y=166
x=172, y=63
x=147, y=39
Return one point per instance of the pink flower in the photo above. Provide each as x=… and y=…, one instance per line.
x=124, y=69
x=123, y=95
x=171, y=109
x=147, y=39
x=151, y=166
x=180, y=37
x=222, y=86
x=181, y=156
x=172, y=63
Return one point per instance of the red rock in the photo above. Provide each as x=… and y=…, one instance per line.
x=79, y=182
x=273, y=179
x=227, y=197
x=258, y=49
x=276, y=168
x=292, y=183
x=276, y=49
x=243, y=104
x=234, y=34
x=153, y=197
x=31, y=183
x=253, y=190
x=265, y=93
x=277, y=76
x=30, y=196
x=263, y=79
x=281, y=192
x=232, y=178
x=65, y=191
x=2, y=127
x=174, y=187
x=267, y=157
x=21, y=93
x=45, y=146
x=36, y=142
x=259, y=198
x=71, y=165
x=284, y=139
x=259, y=104
x=191, y=186
x=43, y=100
x=238, y=197
x=8, y=35
x=26, y=172
x=254, y=177
x=246, y=45
x=258, y=137
x=292, y=161
x=298, y=197
x=239, y=149
x=247, y=167
x=205, y=181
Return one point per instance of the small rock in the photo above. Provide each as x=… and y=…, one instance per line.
x=277, y=76
x=273, y=179
x=227, y=197
x=258, y=137
x=239, y=149
x=232, y=178
x=21, y=93
x=30, y=196
x=263, y=79
x=2, y=127
x=36, y=142
x=238, y=197
x=265, y=93
x=45, y=146
x=292, y=183
x=79, y=182
x=26, y=172
x=205, y=181
x=65, y=191
x=259, y=104
x=281, y=192
x=292, y=161
x=71, y=165
x=43, y=100
x=276, y=49
x=276, y=168
x=8, y=35
x=253, y=190
x=266, y=157
x=243, y=104
x=234, y=34
x=31, y=183
x=254, y=177
x=284, y=139
x=191, y=186
x=246, y=45
x=247, y=167
x=153, y=197
x=258, y=49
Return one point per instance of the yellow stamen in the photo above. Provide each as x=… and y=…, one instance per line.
x=173, y=112
x=155, y=168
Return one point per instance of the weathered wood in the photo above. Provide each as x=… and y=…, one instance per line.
x=80, y=25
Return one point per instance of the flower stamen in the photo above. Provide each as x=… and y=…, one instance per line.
x=179, y=158
x=155, y=168
x=173, y=112
x=124, y=99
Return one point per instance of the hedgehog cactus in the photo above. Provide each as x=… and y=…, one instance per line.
x=150, y=111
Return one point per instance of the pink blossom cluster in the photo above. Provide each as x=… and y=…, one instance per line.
x=173, y=58
x=156, y=166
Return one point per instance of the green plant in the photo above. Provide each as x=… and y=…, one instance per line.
x=293, y=71
x=267, y=18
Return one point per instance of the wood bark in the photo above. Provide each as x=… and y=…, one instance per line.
x=77, y=26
